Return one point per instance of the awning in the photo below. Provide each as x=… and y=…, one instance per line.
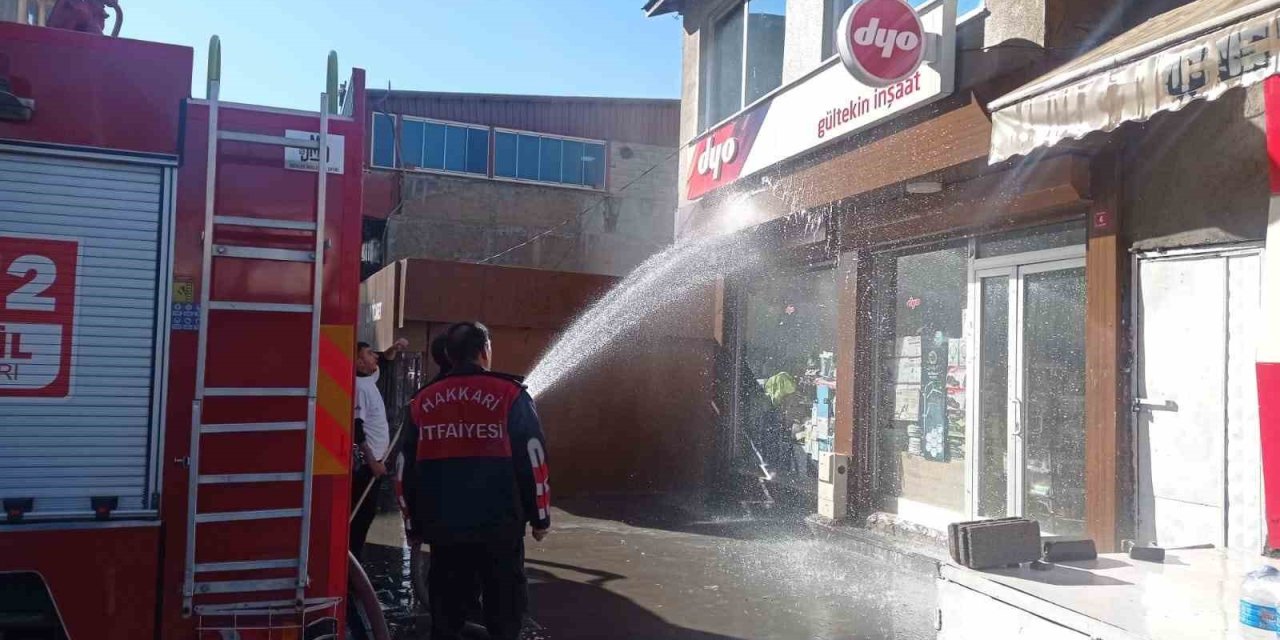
x=1195, y=52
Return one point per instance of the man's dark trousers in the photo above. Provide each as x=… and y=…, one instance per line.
x=367, y=511
x=497, y=567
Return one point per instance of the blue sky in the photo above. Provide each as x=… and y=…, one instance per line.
x=273, y=51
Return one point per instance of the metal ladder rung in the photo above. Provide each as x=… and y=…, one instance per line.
x=262, y=253
x=246, y=392
x=264, y=223
x=259, y=138
x=265, y=606
x=241, y=516
x=273, y=307
x=246, y=586
x=246, y=565
x=248, y=478
x=253, y=427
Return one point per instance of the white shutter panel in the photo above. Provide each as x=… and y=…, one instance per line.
x=94, y=438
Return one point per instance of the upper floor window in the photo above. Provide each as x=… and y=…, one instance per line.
x=833, y=11
x=526, y=156
x=744, y=57
x=384, y=141
x=419, y=143
x=428, y=144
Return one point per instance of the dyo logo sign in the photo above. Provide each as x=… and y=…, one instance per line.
x=881, y=41
x=716, y=156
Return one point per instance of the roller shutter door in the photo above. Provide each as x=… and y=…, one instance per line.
x=81, y=255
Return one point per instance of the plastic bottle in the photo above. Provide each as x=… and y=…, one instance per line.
x=1258, y=599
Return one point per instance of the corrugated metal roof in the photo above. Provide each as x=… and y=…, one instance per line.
x=638, y=120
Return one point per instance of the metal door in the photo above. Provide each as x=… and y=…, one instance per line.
x=83, y=254
x=1198, y=451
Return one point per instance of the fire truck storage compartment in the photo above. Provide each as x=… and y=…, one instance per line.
x=84, y=248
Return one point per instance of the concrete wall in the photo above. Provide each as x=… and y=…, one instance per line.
x=1198, y=176
x=470, y=219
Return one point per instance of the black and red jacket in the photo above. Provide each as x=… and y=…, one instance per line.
x=474, y=463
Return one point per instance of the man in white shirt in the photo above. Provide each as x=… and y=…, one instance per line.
x=373, y=437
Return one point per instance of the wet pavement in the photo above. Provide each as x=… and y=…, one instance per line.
x=619, y=568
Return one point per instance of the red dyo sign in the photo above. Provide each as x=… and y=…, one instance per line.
x=881, y=41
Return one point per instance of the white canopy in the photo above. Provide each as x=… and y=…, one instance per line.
x=1195, y=52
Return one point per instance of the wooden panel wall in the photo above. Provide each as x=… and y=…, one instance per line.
x=1105, y=271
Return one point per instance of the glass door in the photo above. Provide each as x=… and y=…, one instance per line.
x=1027, y=400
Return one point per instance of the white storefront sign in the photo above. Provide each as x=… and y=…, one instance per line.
x=831, y=103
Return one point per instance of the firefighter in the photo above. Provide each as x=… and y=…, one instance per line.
x=475, y=477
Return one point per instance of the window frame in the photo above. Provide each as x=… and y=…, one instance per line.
x=830, y=20
x=395, y=140
x=707, y=45
x=491, y=155
x=706, y=89
x=604, y=144
x=488, y=164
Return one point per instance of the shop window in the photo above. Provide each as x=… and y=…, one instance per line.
x=549, y=159
x=744, y=57
x=427, y=144
x=787, y=386
x=920, y=302
x=383, y=140
x=1018, y=307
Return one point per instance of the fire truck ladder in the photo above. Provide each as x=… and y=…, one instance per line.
x=192, y=586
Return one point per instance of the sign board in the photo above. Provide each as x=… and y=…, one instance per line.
x=881, y=42
x=38, y=281
x=309, y=159
x=832, y=103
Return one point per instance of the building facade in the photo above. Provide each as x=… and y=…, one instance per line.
x=573, y=184
x=975, y=333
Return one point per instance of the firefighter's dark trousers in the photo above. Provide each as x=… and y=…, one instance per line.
x=497, y=568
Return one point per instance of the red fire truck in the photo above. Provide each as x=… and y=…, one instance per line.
x=178, y=300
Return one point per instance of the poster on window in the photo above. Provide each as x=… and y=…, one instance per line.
x=37, y=315
x=933, y=399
